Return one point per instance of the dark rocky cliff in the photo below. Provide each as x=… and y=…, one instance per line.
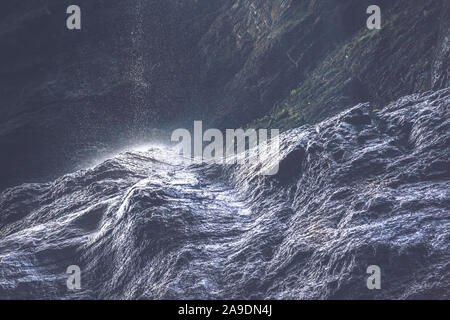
x=143, y=65
x=302, y=61
x=359, y=183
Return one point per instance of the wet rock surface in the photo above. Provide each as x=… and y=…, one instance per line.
x=359, y=189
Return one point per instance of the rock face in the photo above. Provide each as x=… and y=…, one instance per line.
x=362, y=188
x=139, y=65
x=299, y=62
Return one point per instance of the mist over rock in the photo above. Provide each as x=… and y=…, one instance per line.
x=137, y=66
x=364, y=188
x=68, y=96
